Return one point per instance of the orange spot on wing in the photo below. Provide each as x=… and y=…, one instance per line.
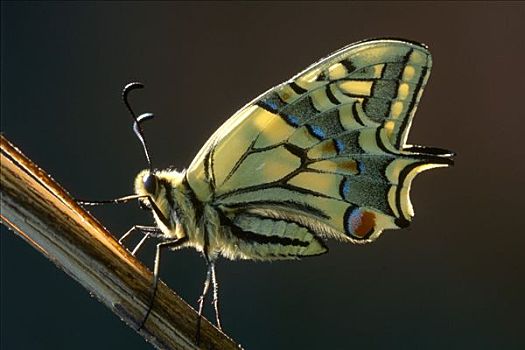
x=365, y=224
x=325, y=149
x=328, y=147
x=349, y=166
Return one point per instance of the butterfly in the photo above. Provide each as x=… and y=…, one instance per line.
x=320, y=156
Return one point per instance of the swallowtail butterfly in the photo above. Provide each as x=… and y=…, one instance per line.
x=322, y=155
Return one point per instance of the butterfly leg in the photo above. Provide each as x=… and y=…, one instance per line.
x=203, y=297
x=142, y=229
x=215, y=300
x=205, y=290
x=148, y=231
x=146, y=236
x=160, y=247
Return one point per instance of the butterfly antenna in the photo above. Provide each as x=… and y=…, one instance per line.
x=137, y=127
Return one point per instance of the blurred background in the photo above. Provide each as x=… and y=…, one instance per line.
x=454, y=279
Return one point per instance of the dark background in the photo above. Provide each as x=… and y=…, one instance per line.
x=454, y=279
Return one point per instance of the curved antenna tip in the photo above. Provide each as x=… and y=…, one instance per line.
x=137, y=128
x=144, y=116
x=130, y=87
x=134, y=85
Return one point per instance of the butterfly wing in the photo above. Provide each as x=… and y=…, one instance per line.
x=324, y=152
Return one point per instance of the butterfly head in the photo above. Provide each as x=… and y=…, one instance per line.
x=149, y=181
x=154, y=184
x=146, y=185
x=160, y=191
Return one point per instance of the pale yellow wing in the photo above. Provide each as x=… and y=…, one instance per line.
x=325, y=149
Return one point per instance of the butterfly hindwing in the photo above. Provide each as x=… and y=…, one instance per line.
x=325, y=150
x=263, y=237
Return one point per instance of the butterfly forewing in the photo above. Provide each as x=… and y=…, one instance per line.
x=323, y=153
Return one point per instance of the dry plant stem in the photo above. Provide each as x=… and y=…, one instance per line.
x=37, y=209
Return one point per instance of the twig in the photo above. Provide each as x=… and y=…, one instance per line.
x=37, y=209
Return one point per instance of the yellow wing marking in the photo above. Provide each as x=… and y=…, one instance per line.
x=393, y=172
x=240, y=135
x=378, y=70
x=308, y=79
x=403, y=91
x=408, y=73
x=368, y=142
x=413, y=79
x=406, y=205
x=327, y=184
x=356, y=87
x=396, y=109
x=287, y=94
x=389, y=128
x=343, y=166
x=391, y=197
x=277, y=129
x=261, y=167
x=325, y=149
x=320, y=100
x=341, y=97
x=418, y=57
x=303, y=138
x=247, y=129
x=347, y=116
x=337, y=71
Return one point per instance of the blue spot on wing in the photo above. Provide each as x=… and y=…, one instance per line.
x=317, y=131
x=362, y=167
x=356, y=214
x=292, y=119
x=354, y=220
x=339, y=145
x=271, y=104
x=349, y=219
x=344, y=188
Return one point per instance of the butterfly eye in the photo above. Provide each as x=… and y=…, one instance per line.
x=150, y=183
